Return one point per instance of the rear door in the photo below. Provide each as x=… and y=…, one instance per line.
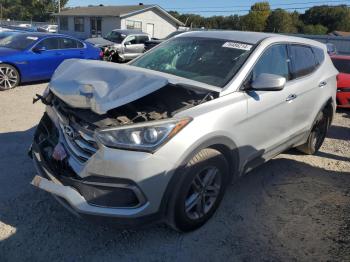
x=306, y=85
x=71, y=48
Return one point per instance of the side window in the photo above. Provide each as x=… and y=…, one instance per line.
x=67, y=43
x=141, y=39
x=80, y=44
x=273, y=61
x=49, y=43
x=319, y=54
x=131, y=39
x=303, y=60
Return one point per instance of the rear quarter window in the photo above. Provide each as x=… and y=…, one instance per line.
x=303, y=60
x=319, y=54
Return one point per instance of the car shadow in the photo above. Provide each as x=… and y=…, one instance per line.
x=344, y=111
x=339, y=132
x=269, y=214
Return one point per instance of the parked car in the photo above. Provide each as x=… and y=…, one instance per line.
x=161, y=138
x=342, y=63
x=48, y=28
x=331, y=49
x=121, y=45
x=25, y=25
x=154, y=42
x=27, y=57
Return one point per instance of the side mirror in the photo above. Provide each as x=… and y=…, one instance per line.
x=127, y=43
x=268, y=82
x=39, y=49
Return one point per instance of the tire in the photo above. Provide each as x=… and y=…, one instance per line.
x=200, y=190
x=317, y=135
x=9, y=77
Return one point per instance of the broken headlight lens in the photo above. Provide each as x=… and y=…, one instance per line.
x=143, y=137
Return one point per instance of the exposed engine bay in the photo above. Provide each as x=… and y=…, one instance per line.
x=161, y=104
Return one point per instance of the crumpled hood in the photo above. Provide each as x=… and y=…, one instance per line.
x=102, y=86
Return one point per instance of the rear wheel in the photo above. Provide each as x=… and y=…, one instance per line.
x=317, y=135
x=9, y=77
x=201, y=190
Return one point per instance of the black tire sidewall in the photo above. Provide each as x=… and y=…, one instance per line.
x=17, y=73
x=216, y=159
x=320, y=117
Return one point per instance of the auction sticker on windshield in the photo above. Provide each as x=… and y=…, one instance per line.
x=236, y=45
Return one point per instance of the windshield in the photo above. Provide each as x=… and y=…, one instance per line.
x=174, y=34
x=18, y=41
x=115, y=37
x=342, y=65
x=207, y=60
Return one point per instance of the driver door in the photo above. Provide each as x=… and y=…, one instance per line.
x=132, y=48
x=46, y=58
x=270, y=113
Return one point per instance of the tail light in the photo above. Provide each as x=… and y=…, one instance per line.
x=101, y=54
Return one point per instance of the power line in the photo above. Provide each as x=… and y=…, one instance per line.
x=242, y=6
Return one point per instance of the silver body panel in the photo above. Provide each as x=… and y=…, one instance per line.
x=256, y=124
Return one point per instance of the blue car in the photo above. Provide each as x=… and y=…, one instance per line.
x=27, y=57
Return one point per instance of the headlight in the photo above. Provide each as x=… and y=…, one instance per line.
x=143, y=137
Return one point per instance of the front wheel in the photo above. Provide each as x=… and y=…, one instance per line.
x=201, y=190
x=9, y=77
x=317, y=135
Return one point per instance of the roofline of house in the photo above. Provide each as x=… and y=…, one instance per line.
x=163, y=11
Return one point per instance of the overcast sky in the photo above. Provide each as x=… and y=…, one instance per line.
x=209, y=7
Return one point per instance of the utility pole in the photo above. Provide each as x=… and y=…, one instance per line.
x=59, y=5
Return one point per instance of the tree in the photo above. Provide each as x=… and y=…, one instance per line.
x=314, y=30
x=256, y=19
x=37, y=10
x=280, y=21
x=332, y=17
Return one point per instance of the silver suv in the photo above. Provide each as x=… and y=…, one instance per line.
x=161, y=138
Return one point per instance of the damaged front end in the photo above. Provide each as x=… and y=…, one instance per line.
x=76, y=137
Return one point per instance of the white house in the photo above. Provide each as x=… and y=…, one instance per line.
x=91, y=21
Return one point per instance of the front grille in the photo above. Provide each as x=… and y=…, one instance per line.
x=80, y=141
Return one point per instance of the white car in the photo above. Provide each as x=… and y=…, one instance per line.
x=48, y=28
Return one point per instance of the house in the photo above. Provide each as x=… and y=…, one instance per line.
x=93, y=21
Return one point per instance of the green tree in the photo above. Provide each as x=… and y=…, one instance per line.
x=332, y=17
x=280, y=21
x=36, y=10
x=256, y=19
x=314, y=29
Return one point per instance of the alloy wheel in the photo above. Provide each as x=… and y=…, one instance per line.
x=203, y=193
x=8, y=78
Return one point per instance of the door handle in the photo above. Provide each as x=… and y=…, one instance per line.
x=322, y=84
x=291, y=97
x=58, y=54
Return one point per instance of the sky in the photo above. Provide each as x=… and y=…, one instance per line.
x=212, y=7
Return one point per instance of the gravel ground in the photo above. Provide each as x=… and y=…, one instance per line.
x=295, y=207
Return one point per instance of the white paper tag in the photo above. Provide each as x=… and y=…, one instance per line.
x=236, y=45
x=32, y=38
